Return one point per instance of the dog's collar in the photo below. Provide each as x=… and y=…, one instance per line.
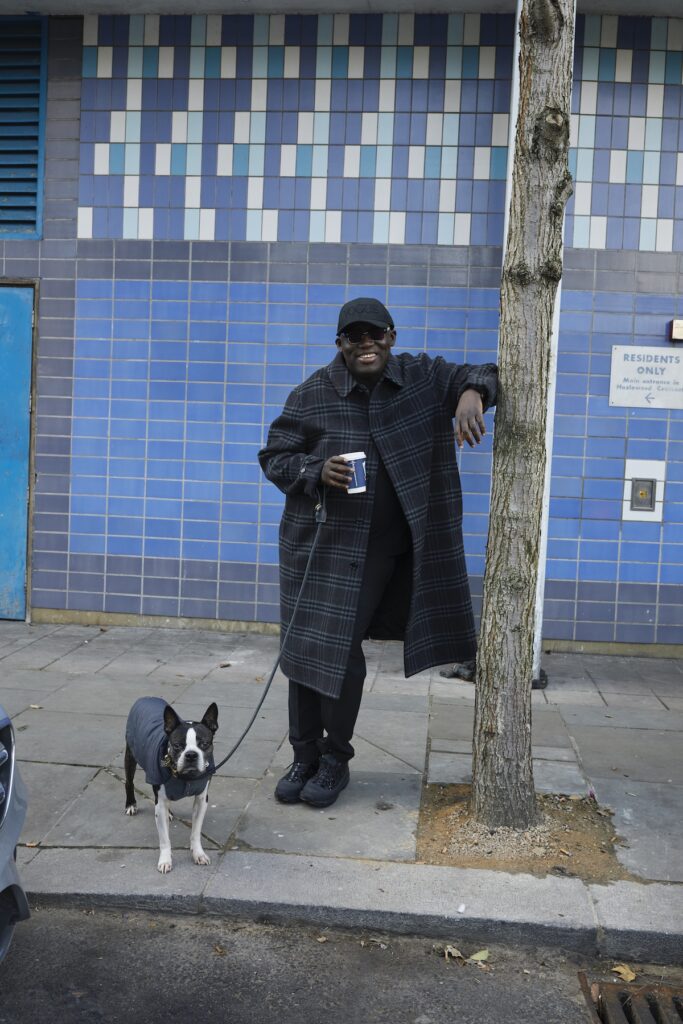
x=169, y=764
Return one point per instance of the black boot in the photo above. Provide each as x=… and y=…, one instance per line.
x=324, y=788
x=289, y=787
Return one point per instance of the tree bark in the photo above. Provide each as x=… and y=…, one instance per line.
x=503, y=787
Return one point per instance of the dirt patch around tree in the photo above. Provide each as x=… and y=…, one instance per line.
x=575, y=838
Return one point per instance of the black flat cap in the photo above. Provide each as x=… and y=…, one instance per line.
x=364, y=310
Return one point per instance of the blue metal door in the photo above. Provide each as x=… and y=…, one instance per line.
x=16, y=334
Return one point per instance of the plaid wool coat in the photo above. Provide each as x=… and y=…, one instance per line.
x=407, y=419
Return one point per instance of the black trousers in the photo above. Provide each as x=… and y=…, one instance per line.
x=319, y=724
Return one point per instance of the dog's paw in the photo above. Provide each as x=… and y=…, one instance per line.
x=201, y=858
x=164, y=866
x=132, y=809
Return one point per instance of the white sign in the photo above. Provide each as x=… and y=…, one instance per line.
x=646, y=378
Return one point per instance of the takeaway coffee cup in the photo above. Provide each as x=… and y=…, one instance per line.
x=357, y=460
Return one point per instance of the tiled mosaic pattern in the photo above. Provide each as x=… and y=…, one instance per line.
x=370, y=128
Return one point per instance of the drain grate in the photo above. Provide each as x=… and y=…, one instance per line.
x=616, y=1003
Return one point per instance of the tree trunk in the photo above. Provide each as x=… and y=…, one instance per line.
x=503, y=786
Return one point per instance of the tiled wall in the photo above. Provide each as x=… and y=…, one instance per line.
x=162, y=360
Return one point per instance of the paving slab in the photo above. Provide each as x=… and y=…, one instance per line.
x=558, y=777
x=623, y=718
x=58, y=737
x=400, y=733
x=227, y=690
x=375, y=817
x=103, y=695
x=52, y=788
x=449, y=769
x=585, y=698
x=640, y=701
x=649, y=816
x=16, y=700
x=643, y=754
x=641, y=922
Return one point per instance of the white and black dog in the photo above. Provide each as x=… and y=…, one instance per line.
x=177, y=758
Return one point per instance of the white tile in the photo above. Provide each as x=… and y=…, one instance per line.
x=451, y=98
x=259, y=94
x=131, y=190
x=598, y=232
x=224, y=159
x=434, y=136
x=276, y=33
x=151, y=30
x=304, y=132
x=500, y=130
x=85, y=222
x=228, y=61
x=397, y=227
x=665, y=234
x=649, y=201
x=482, y=162
x=636, y=133
x=101, y=163
x=340, y=32
x=608, y=30
x=241, y=126
x=193, y=191
x=583, y=191
x=356, y=61
x=617, y=166
x=368, y=129
x=145, y=222
x=134, y=94
x=254, y=193
x=207, y=225
x=387, y=93
x=487, y=62
x=447, y=197
x=117, y=126
x=323, y=88
x=420, y=62
x=90, y=29
x=624, y=62
x=351, y=161
x=655, y=100
x=383, y=195
x=195, y=94
x=105, y=56
x=470, y=36
x=679, y=169
x=213, y=29
x=166, y=62
x=406, y=29
x=318, y=193
x=333, y=226
x=288, y=161
x=162, y=162
x=574, y=121
x=416, y=161
x=179, y=126
x=461, y=235
x=291, y=69
x=589, y=98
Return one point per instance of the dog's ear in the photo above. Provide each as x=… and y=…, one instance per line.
x=171, y=720
x=210, y=719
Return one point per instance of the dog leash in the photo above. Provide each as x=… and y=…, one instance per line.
x=320, y=518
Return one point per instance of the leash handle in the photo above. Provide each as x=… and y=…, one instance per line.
x=321, y=519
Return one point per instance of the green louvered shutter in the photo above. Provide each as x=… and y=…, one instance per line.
x=22, y=88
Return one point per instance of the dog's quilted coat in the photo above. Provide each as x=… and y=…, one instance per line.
x=148, y=740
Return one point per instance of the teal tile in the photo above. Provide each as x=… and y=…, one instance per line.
x=304, y=161
x=135, y=54
x=261, y=31
x=634, y=167
x=340, y=62
x=607, y=65
x=387, y=67
x=196, y=62
x=591, y=57
x=499, y=160
x=432, y=162
x=276, y=61
x=454, y=62
x=116, y=158
x=136, y=29
x=404, y=62
x=90, y=62
x=259, y=62
x=658, y=33
x=674, y=68
x=389, y=29
x=592, y=30
x=179, y=158
x=325, y=27
x=198, y=30
x=150, y=62
x=212, y=62
x=470, y=62
x=455, y=29
x=240, y=160
x=323, y=62
x=368, y=161
x=657, y=66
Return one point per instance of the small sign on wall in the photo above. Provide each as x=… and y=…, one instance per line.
x=646, y=378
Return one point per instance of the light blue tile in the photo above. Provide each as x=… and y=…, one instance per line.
x=388, y=62
x=321, y=128
x=446, y=228
x=319, y=162
x=584, y=165
x=432, y=166
x=454, y=62
x=499, y=156
x=455, y=29
x=136, y=29
x=651, y=163
x=133, y=122
x=195, y=126
x=586, y=138
x=257, y=126
x=130, y=223
x=198, y=30
x=259, y=62
x=304, y=161
x=368, y=161
x=316, y=228
x=323, y=61
x=116, y=158
x=389, y=29
x=449, y=162
x=653, y=133
x=383, y=164
x=131, y=161
x=325, y=28
x=385, y=129
x=253, y=225
x=240, y=160
x=135, y=55
x=634, y=167
x=191, y=224
x=648, y=240
x=261, y=29
x=591, y=58
x=256, y=160
x=380, y=228
x=451, y=129
x=592, y=30
x=178, y=158
x=581, y=238
x=194, y=159
x=197, y=55
x=657, y=67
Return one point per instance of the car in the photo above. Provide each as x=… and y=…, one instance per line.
x=13, y=804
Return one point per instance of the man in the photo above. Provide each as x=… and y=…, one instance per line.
x=389, y=562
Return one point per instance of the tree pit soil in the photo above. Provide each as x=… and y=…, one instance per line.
x=574, y=838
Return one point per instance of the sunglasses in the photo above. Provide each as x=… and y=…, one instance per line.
x=356, y=337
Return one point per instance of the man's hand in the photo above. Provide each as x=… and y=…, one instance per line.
x=469, y=419
x=337, y=472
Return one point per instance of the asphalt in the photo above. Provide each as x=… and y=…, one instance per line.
x=609, y=724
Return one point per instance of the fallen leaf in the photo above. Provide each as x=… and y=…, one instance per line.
x=321, y=938
x=526, y=971
x=31, y=845
x=220, y=950
x=565, y=852
x=625, y=972
x=225, y=664
x=482, y=955
x=452, y=953
x=36, y=707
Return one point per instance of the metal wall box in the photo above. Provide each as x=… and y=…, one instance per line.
x=643, y=494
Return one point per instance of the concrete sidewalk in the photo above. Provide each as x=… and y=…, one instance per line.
x=611, y=723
